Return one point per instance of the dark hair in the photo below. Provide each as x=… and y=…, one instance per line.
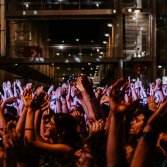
x=38, y=100
x=143, y=110
x=66, y=127
x=97, y=144
x=11, y=113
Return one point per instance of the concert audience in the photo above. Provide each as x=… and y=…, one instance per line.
x=77, y=124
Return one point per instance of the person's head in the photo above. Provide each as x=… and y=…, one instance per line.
x=98, y=92
x=61, y=128
x=158, y=82
x=74, y=107
x=66, y=128
x=137, y=124
x=140, y=118
x=53, y=105
x=10, y=113
x=28, y=86
x=50, y=131
x=93, y=153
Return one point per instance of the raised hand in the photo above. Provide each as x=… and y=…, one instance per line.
x=116, y=97
x=63, y=92
x=151, y=103
x=79, y=84
x=58, y=92
x=157, y=122
x=46, y=102
x=27, y=97
x=104, y=99
x=39, y=98
x=28, y=86
x=50, y=89
x=8, y=84
x=39, y=90
x=76, y=92
x=88, y=85
x=76, y=114
x=96, y=126
x=18, y=83
x=4, y=86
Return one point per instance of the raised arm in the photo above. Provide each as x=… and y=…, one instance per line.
x=158, y=91
x=21, y=122
x=18, y=83
x=68, y=97
x=134, y=94
x=63, y=100
x=29, y=123
x=4, y=86
x=118, y=108
x=9, y=89
x=58, y=100
x=86, y=101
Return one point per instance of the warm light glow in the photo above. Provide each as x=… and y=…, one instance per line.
x=137, y=11
x=129, y=10
x=61, y=47
x=35, y=12
x=24, y=12
x=106, y=35
x=109, y=25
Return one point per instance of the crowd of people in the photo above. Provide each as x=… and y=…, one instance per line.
x=79, y=125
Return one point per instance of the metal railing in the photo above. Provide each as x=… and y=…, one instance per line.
x=60, y=4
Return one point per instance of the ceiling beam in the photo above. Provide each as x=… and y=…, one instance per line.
x=60, y=14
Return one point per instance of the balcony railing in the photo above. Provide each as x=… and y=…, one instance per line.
x=60, y=4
